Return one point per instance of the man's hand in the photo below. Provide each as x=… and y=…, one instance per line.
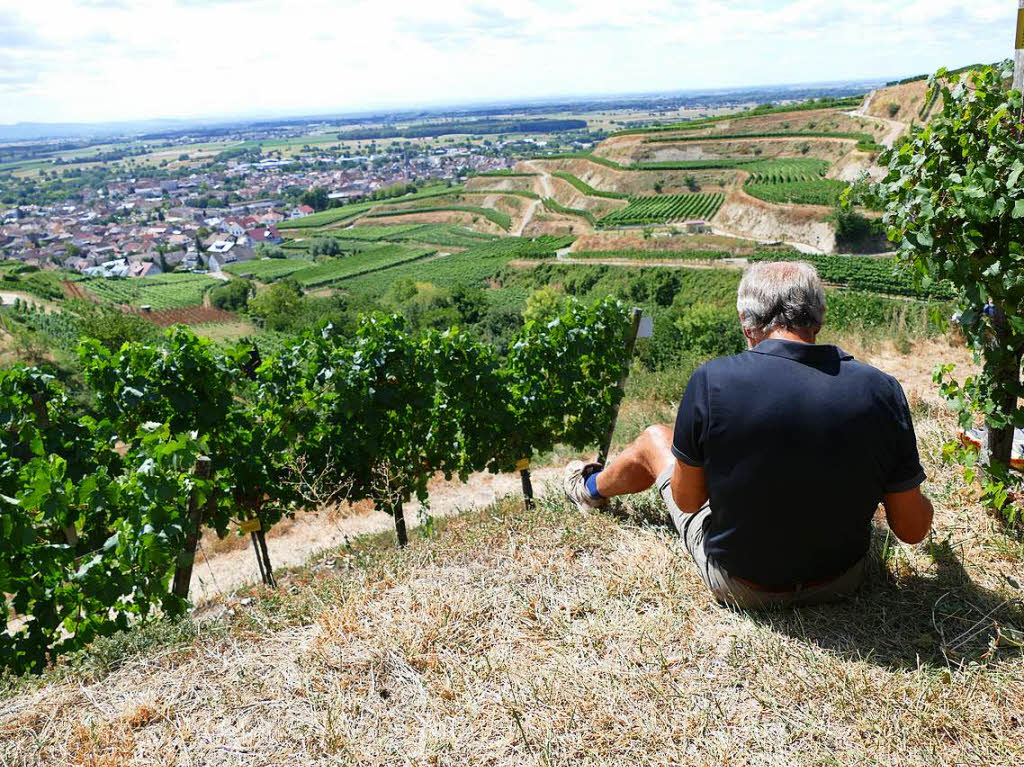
x=688, y=488
x=909, y=514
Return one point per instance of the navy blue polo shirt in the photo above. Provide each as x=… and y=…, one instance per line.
x=799, y=443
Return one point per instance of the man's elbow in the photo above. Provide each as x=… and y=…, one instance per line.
x=687, y=502
x=910, y=522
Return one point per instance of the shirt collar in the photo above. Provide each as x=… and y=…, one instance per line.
x=801, y=352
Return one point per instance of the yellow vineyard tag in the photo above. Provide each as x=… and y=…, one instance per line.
x=522, y=464
x=250, y=526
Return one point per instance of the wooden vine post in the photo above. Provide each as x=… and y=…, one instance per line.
x=523, y=464
x=183, y=573
x=254, y=527
x=400, y=531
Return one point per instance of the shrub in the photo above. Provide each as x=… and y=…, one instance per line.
x=232, y=296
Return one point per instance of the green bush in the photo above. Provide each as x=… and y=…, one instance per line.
x=232, y=296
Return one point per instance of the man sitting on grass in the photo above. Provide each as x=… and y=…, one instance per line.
x=779, y=457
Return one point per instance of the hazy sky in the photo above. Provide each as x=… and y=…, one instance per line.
x=94, y=60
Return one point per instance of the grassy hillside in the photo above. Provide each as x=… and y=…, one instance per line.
x=508, y=637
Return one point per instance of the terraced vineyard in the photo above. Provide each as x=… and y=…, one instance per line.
x=655, y=255
x=556, y=207
x=664, y=209
x=586, y=188
x=875, y=275
x=370, y=260
x=786, y=170
x=859, y=137
x=822, y=191
x=268, y=269
x=166, y=291
x=346, y=212
x=471, y=267
x=189, y=315
x=498, y=217
x=448, y=236
x=797, y=181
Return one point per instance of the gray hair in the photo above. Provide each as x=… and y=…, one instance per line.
x=781, y=294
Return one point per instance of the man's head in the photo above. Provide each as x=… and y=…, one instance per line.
x=781, y=298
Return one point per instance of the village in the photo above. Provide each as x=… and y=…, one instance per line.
x=198, y=219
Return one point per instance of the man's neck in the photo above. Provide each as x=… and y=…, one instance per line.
x=800, y=336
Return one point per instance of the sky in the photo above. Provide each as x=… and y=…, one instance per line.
x=106, y=60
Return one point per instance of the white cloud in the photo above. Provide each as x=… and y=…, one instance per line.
x=111, y=59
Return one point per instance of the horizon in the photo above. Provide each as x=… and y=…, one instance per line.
x=97, y=61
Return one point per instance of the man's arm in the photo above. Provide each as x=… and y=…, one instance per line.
x=688, y=488
x=909, y=514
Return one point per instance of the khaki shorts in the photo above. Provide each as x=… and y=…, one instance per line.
x=728, y=590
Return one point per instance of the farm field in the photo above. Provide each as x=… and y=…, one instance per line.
x=664, y=209
x=166, y=291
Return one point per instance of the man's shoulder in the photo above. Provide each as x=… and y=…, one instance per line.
x=849, y=368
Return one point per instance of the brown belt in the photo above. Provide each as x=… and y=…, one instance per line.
x=782, y=589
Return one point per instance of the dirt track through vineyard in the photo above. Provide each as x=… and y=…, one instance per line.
x=294, y=542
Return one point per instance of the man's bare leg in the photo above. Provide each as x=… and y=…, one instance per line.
x=637, y=467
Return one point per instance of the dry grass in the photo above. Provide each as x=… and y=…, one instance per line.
x=513, y=638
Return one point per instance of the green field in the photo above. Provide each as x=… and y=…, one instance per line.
x=165, y=291
x=664, y=209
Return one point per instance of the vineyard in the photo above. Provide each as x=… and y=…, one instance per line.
x=586, y=188
x=166, y=291
x=371, y=260
x=556, y=207
x=471, y=267
x=102, y=510
x=346, y=212
x=189, y=315
x=498, y=217
x=654, y=255
x=786, y=170
x=859, y=137
x=822, y=191
x=664, y=209
x=268, y=269
x=876, y=275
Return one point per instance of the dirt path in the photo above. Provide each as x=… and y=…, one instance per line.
x=8, y=297
x=895, y=127
x=294, y=542
x=547, y=191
